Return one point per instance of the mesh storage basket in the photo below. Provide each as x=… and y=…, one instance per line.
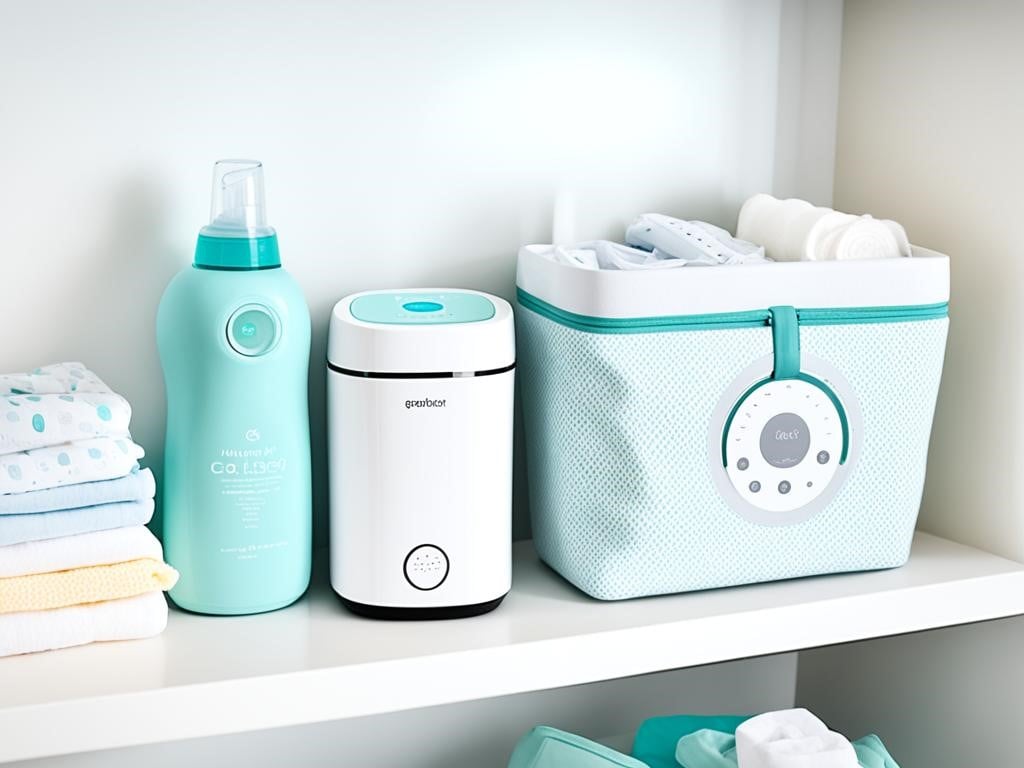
x=705, y=427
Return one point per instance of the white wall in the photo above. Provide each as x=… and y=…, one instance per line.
x=930, y=125
x=404, y=143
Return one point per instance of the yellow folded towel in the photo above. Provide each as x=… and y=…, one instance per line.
x=59, y=589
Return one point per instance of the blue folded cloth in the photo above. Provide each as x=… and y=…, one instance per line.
x=137, y=486
x=15, y=529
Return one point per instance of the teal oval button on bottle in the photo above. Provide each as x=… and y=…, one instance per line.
x=253, y=330
x=422, y=306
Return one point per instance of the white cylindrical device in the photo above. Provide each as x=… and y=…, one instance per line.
x=420, y=392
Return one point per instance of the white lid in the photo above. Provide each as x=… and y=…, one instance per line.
x=692, y=290
x=421, y=330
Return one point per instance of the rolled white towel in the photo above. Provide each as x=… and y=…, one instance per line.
x=791, y=738
x=795, y=230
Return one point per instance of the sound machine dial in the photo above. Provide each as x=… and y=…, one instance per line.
x=783, y=445
x=781, y=448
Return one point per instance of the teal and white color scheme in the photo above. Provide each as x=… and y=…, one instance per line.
x=234, y=334
x=727, y=425
x=709, y=741
x=420, y=394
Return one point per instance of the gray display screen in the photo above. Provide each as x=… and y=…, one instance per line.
x=785, y=440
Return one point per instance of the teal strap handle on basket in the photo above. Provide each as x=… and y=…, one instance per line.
x=785, y=342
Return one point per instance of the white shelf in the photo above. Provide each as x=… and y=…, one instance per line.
x=313, y=662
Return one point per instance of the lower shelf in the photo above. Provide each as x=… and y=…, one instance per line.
x=314, y=661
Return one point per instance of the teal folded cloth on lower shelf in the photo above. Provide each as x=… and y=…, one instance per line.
x=546, y=747
x=707, y=749
x=656, y=740
x=716, y=749
x=871, y=753
x=696, y=741
x=15, y=529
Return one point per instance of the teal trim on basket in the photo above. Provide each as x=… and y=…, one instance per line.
x=756, y=318
x=709, y=322
x=785, y=342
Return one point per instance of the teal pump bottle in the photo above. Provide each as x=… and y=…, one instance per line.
x=233, y=333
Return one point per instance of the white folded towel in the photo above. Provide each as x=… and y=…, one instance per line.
x=128, y=619
x=117, y=545
x=795, y=230
x=791, y=738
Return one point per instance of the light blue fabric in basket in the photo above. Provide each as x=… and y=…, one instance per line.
x=622, y=499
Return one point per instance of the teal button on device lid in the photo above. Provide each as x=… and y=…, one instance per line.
x=422, y=306
x=415, y=308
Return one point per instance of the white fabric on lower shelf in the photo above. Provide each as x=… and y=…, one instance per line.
x=791, y=738
x=129, y=619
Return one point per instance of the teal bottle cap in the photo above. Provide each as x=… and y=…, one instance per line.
x=231, y=253
x=238, y=236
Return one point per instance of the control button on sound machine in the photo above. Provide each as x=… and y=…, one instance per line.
x=784, y=440
x=426, y=567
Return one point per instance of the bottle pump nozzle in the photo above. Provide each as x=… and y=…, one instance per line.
x=238, y=206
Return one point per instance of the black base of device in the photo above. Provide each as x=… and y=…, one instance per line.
x=391, y=613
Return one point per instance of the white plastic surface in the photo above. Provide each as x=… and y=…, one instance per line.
x=690, y=290
x=421, y=489
x=460, y=347
x=314, y=662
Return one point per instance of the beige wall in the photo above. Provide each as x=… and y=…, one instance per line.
x=931, y=133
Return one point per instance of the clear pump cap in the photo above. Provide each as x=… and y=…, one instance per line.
x=238, y=206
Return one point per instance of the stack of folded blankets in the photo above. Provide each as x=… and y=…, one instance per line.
x=77, y=563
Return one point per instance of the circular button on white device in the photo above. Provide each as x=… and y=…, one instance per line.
x=426, y=567
x=787, y=433
x=253, y=330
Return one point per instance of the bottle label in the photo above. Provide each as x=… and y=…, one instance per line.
x=250, y=476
